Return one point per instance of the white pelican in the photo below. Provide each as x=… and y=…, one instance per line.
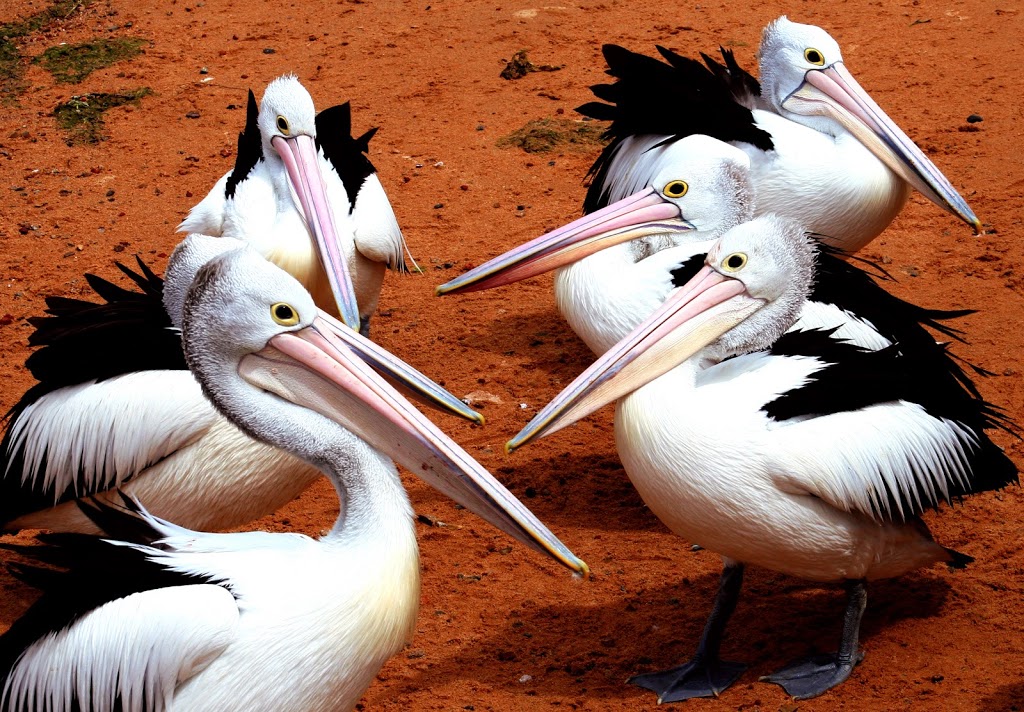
x=158, y=616
x=805, y=454
x=822, y=151
x=304, y=194
x=698, y=189
x=115, y=407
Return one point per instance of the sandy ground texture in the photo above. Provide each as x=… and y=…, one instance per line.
x=500, y=628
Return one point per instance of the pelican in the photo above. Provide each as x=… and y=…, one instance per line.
x=304, y=194
x=115, y=407
x=822, y=151
x=698, y=189
x=157, y=616
x=799, y=451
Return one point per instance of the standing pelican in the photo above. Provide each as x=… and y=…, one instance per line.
x=115, y=407
x=805, y=454
x=157, y=616
x=822, y=151
x=304, y=194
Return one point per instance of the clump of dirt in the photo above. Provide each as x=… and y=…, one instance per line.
x=82, y=116
x=70, y=64
x=542, y=135
x=11, y=70
x=520, y=65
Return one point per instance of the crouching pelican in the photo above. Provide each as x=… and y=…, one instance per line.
x=802, y=453
x=608, y=280
x=157, y=616
x=115, y=407
x=303, y=192
x=822, y=151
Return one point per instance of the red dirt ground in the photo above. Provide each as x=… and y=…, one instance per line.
x=501, y=628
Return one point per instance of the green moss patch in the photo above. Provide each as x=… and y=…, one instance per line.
x=11, y=70
x=542, y=135
x=70, y=64
x=82, y=116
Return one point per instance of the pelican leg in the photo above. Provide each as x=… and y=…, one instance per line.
x=364, y=326
x=815, y=674
x=706, y=675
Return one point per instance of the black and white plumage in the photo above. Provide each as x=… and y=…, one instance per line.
x=303, y=192
x=156, y=616
x=115, y=407
x=700, y=188
x=799, y=451
x=822, y=152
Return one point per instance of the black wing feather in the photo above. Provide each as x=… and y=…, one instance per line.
x=856, y=378
x=78, y=573
x=675, y=99
x=82, y=341
x=250, y=148
x=346, y=154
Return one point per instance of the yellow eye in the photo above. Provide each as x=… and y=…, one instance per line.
x=675, y=189
x=814, y=56
x=282, y=125
x=284, y=314
x=734, y=262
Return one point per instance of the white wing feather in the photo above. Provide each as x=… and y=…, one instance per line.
x=138, y=648
x=207, y=216
x=861, y=456
x=110, y=430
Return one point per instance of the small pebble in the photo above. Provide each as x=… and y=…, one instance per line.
x=269, y=50
x=973, y=119
x=192, y=115
x=526, y=678
x=204, y=70
x=438, y=206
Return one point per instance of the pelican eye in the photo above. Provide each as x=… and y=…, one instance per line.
x=734, y=262
x=284, y=314
x=814, y=56
x=282, y=125
x=675, y=189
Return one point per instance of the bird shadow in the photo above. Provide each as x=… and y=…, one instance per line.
x=1005, y=698
x=576, y=649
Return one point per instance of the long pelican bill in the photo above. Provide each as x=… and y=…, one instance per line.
x=641, y=214
x=299, y=154
x=316, y=369
x=832, y=91
x=692, y=317
x=401, y=375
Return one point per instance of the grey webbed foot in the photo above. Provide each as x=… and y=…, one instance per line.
x=706, y=675
x=364, y=326
x=813, y=675
x=692, y=679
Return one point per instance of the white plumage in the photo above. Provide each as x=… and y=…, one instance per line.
x=175, y=618
x=805, y=454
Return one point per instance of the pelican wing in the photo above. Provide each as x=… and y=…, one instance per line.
x=121, y=624
x=94, y=436
x=663, y=102
x=377, y=235
x=893, y=434
x=81, y=429
x=129, y=654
